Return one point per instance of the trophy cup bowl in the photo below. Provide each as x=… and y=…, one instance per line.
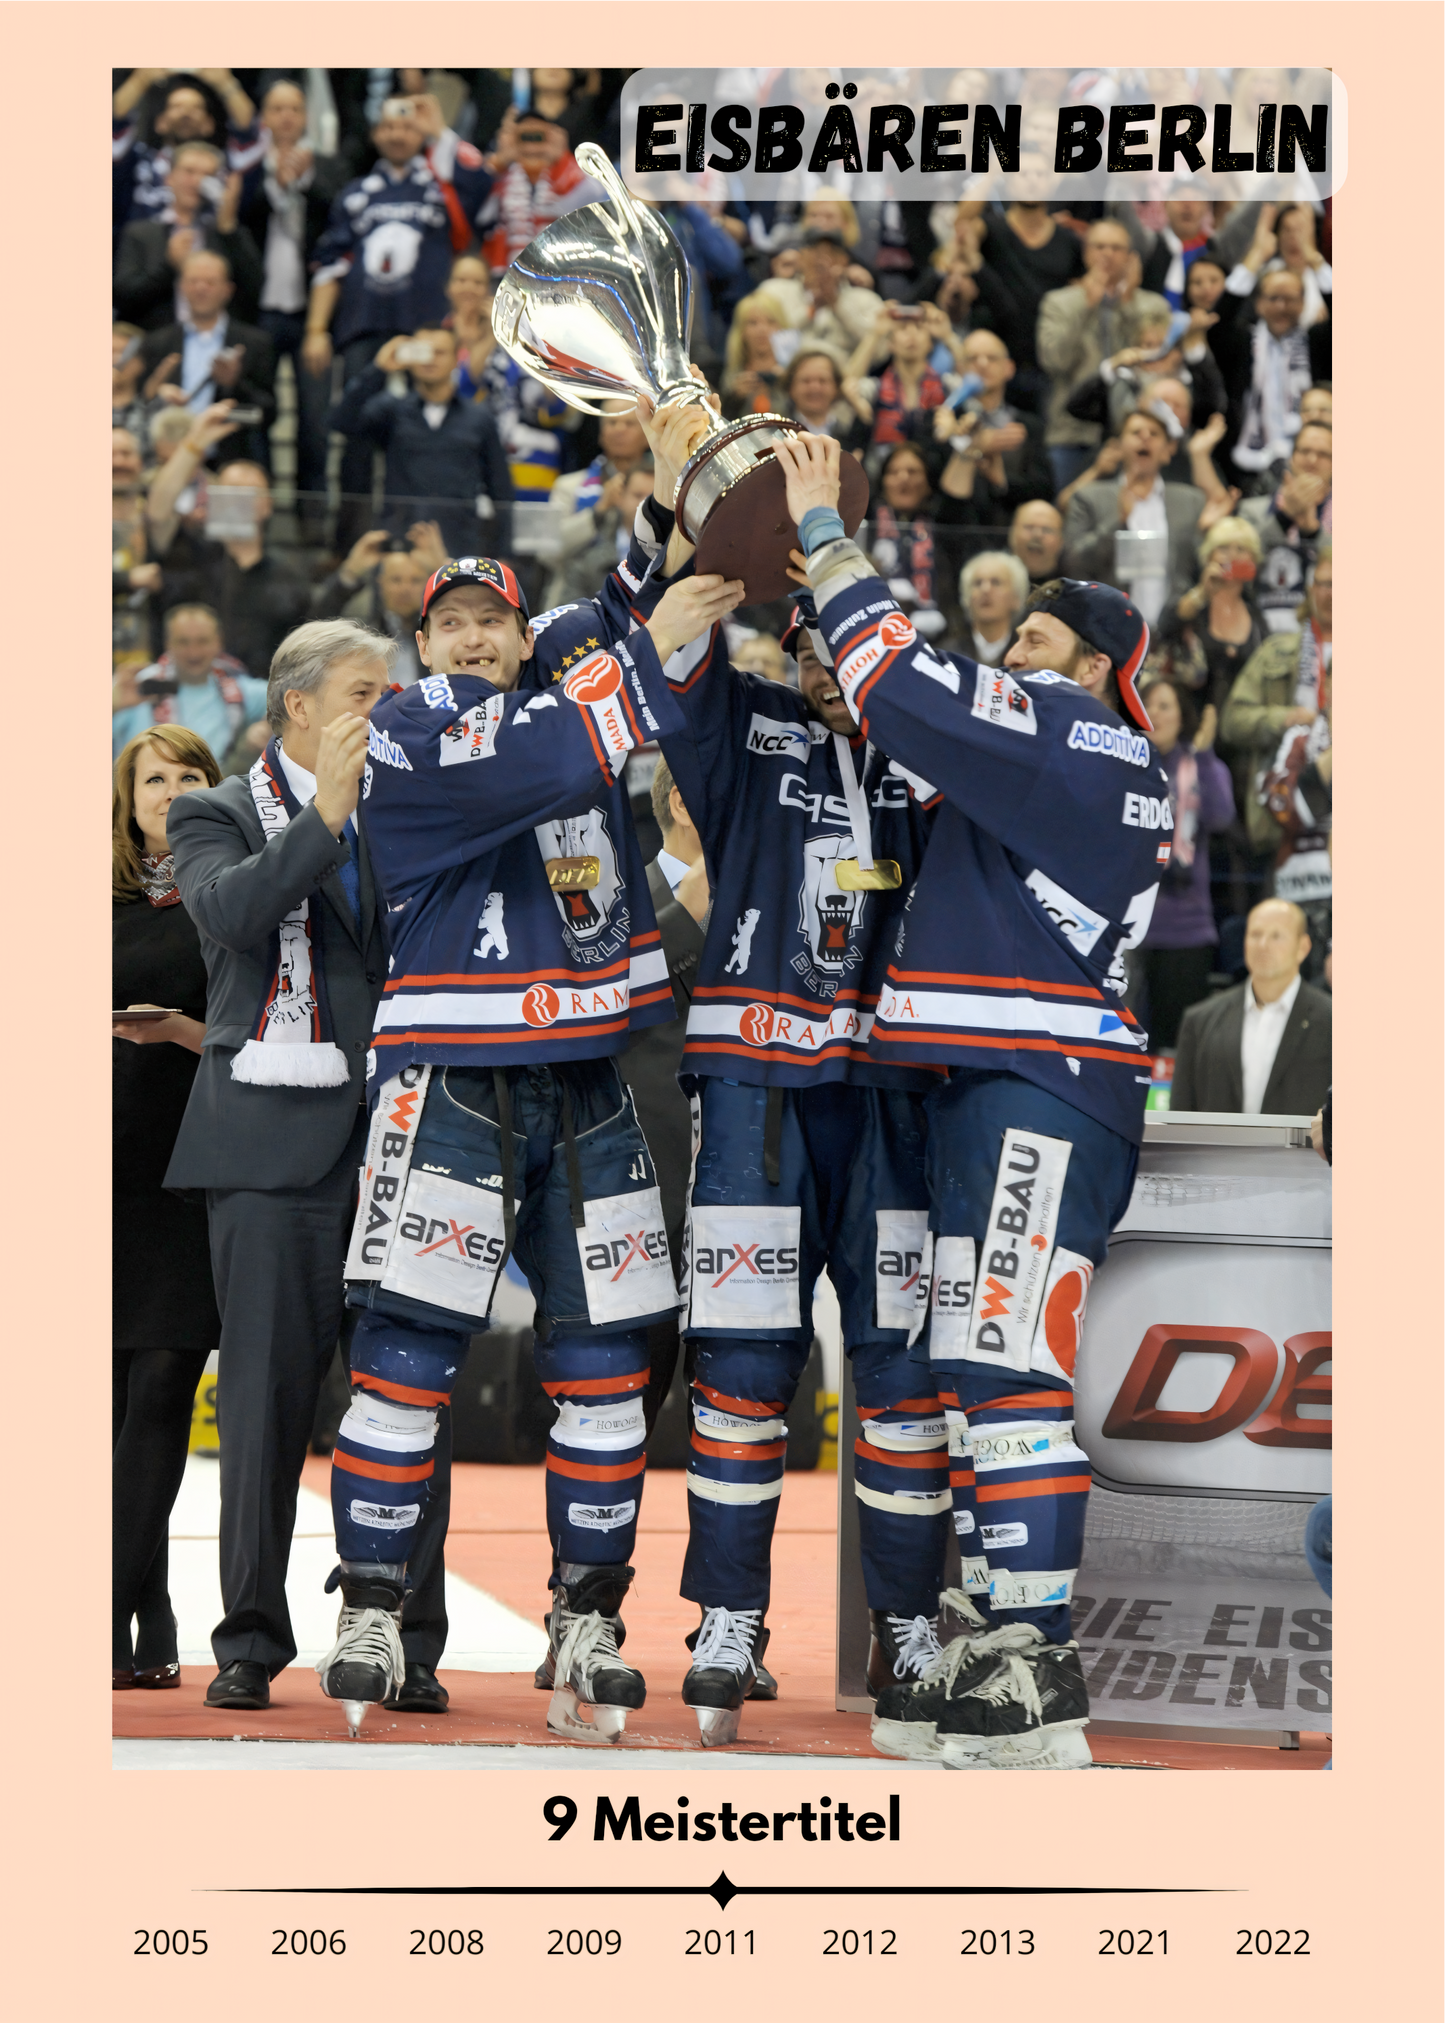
x=599, y=308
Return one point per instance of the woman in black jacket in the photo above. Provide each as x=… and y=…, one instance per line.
x=165, y=1322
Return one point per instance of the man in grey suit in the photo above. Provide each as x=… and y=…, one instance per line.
x=272, y=870
x=1137, y=502
x=1264, y=1047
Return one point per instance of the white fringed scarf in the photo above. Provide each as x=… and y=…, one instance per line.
x=291, y=1046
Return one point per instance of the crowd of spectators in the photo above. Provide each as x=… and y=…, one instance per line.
x=310, y=412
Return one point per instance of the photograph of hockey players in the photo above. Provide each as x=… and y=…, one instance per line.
x=809, y=1153
x=524, y=952
x=1041, y=867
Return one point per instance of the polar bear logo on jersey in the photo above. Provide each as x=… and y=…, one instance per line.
x=828, y=917
x=585, y=912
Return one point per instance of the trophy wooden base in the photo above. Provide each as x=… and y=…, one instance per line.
x=749, y=531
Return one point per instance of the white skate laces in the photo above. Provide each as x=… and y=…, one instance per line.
x=961, y=1651
x=589, y=1645
x=725, y=1641
x=367, y=1637
x=918, y=1645
x=957, y=1603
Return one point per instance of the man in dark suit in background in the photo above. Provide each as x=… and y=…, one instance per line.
x=1264, y=1047
x=273, y=872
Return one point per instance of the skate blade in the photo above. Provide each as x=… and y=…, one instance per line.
x=1063, y=1747
x=582, y=1722
x=355, y=1712
x=916, y=1741
x=718, y=1725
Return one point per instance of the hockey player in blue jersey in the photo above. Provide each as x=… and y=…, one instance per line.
x=1041, y=869
x=807, y=1154
x=524, y=951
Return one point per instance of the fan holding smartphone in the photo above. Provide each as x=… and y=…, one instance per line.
x=1205, y=636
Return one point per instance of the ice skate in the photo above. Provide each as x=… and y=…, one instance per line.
x=908, y=1712
x=365, y=1663
x=726, y=1648
x=902, y=1648
x=592, y=1690
x=1025, y=1709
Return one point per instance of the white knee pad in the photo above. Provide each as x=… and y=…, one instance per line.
x=714, y=1424
x=379, y=1422
x=611, y=1426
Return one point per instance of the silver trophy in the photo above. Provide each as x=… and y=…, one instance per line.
x=599, y=308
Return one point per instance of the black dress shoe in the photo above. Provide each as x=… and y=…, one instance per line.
x=240, y=1685
x=156, y=1678
x=122, y=1678
x=419, y=1692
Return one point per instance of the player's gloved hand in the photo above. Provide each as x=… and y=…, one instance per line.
x=690, y=607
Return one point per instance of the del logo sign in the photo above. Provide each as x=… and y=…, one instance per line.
x=594, y=680
x=540, y=1005
x=1228, y=1391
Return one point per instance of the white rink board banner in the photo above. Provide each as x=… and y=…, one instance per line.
x=1215, y=1652
x=1206, y=1366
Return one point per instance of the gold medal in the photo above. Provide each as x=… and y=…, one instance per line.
x=885, y=875
x=580, y=874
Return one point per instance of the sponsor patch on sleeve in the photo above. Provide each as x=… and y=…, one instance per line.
x=1110, y=741
x=473, y=736
x=998, y=700
x=595, y=684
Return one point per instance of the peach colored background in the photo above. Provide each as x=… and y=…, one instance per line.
x=1354, y=1856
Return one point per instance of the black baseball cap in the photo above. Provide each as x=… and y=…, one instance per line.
x=482, y=570
x=1110, y=623
x=804, y=619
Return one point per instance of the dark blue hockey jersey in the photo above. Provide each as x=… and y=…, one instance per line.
x=388, y=240
x=793, y=963
x=517, y=906
x=1042, y=866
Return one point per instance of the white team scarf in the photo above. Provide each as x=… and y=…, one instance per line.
x=1279, y=376
x=291, y=1046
